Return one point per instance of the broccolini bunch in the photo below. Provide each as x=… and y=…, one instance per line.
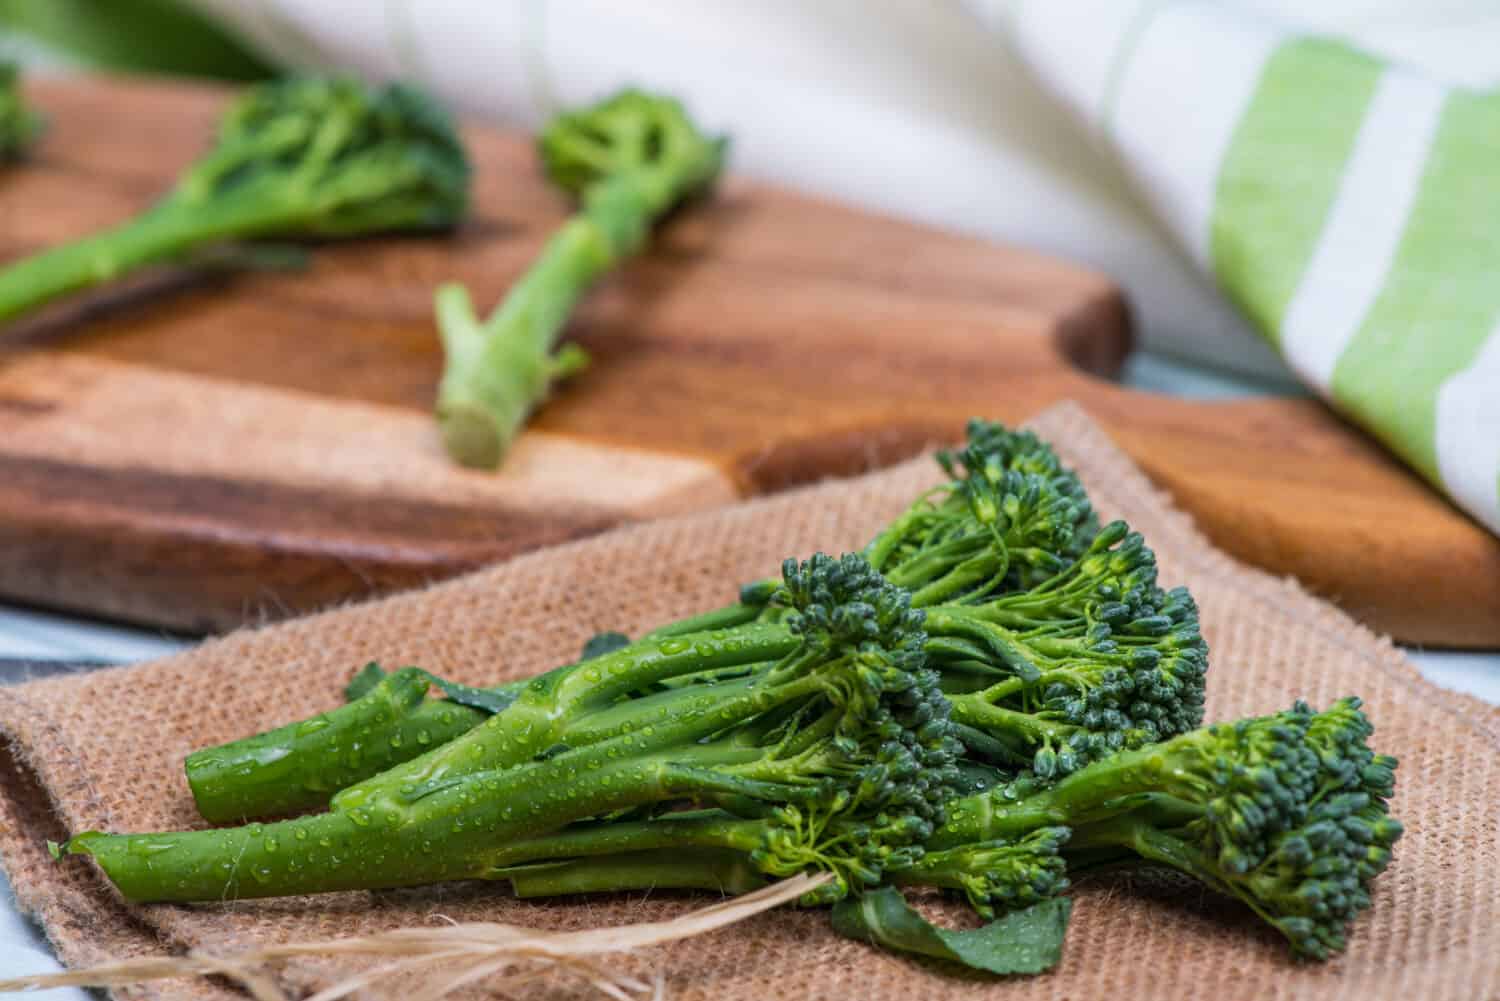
x=994, y=696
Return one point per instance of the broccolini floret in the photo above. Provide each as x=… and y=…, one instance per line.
x=1011, y=516
x=1288, y=813
x=995, y=876
x=1095, y=660
x=629, y=161
x=295, y=159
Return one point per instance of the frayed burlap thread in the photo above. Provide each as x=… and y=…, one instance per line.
x=104, y=751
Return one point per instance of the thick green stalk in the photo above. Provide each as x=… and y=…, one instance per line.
x=728, y=617
x=299, y=766
x=19, y=125
x=698, y=829
x=163, y=234
x=552, y=706
x=499, y=370
x=715, y=870
x=1111, y=787
x=427, y=823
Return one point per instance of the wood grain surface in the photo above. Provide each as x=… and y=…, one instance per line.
x=199, y=451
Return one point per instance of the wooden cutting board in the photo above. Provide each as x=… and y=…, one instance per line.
x=203, y=451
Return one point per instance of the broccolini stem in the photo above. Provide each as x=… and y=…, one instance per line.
x=948, y=571
x=550, y=706
x=409, y=829
x=728, y=617
x=19, y=125
x=714, y=870
x=713, y=829
x=1119, y=784
x=299, y=766
x=498, y=370
x=161, y=235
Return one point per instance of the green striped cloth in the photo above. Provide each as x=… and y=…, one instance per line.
x=1350, y=207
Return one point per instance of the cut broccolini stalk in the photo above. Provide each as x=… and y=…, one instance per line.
x=386, y=721
x=840, y=748
x=19, y=125
x=629, y=160
x=294, y=159
x=299, y=766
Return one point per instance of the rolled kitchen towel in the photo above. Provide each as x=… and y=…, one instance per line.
x=1348, y=205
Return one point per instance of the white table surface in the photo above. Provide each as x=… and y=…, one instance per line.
x=40, y=637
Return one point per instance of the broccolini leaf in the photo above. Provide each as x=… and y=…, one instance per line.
x=484, y=699
x=1025, y=941
x=600, y=644
x=359, y=686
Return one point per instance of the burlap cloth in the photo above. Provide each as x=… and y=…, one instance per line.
x=105, y=751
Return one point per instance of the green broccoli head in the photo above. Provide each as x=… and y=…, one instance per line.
x=993, y=450
x=1295, y=819
x=1286, y=812
x=333, y=158
x=18, y=124
x=1009, y=518
x=1142, y=663
x=629, y=133
x=997, y=876
x=877, y=740
x=1096, y=660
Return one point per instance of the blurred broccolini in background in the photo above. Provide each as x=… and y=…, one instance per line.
x=296, y=159
x=18, y=123
x=629, y=161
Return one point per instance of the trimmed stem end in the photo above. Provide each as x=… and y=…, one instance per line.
x=472, y=435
